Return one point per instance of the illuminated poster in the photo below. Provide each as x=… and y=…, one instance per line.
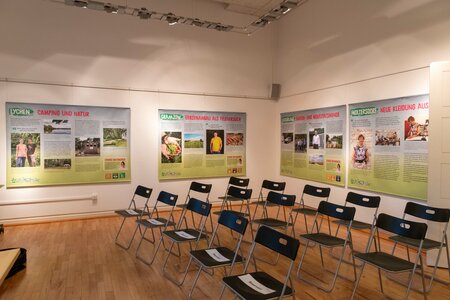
x=195, y=144
x=389, y=146
x=62, y=144
x=312, y=145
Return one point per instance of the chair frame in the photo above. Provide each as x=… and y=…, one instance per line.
x=339, y=212
x=200, y=208
x=317, y=192
x=236, y=223
x=430, y=214
x=143, y=192
x=169, y=200
x=267, y=186
x=228, y=199
x=402, y=227
x=274, y=240
x=282, y=201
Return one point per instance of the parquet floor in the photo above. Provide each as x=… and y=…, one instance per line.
x=79, y=260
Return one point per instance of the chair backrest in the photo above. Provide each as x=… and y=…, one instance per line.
x=337, y=211
x=241, y=182
x=363, y=200
x=427, y=213
x=315, y=191
x=278, y=242
x=239, y=193
x=200, y=187
x=234, y=221
x=273, y=185
x=281, y=199
x=406, y=228
x=167, y=198
x=143, y=191
x=199, y=207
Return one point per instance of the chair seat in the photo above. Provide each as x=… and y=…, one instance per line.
x=246, y=292
x=206, y=260
x=324, y=239
x=262, y=202
x=306, y=210
x=125, y=214
x=355, y=224
x=146, y=223
x=230, y=198
x=427, y=243
x=386, y=261
x=171, y=234
x=271, y=222
x=242, y=214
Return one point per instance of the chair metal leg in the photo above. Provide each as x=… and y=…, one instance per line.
x=357, y=281
x=155, y=251
x=380, y=280
x=125, y=246
x=168, y=276
x=191, y=291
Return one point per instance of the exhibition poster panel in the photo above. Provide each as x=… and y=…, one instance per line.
x=312, y=145
x=65, y=144
x=389, y=146
x=197, y=144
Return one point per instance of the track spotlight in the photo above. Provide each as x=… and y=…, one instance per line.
x=144, y=14
x=171, y=19
x=110, y=8
x=80, y=3
x=197, y=22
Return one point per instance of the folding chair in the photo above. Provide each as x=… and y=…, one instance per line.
x=434, y=216
x=133, y=211
x=369, y=203
x=199, y=191
x=261, y=285
x=228, y=199
x=187, y=235
x=154, y=221
x=266, y=187
x=339, y=212
x=212, y=258
x=310, y=192
x=281, y=201
x=388, y=262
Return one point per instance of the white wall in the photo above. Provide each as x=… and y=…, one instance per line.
x=326, y=47
x=44, y=42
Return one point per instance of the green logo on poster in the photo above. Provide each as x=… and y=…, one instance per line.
x=363, y=111
x=121, y=175
x=287, y=119
x=171, y=117
x=23, y=112
x=115, y=176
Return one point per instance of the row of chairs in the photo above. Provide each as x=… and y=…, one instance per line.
x=237, y=190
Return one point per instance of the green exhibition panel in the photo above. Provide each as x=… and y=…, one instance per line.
x=66, y=144
x=200, y=144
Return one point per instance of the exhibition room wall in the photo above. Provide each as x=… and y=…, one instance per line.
x=358, y=51
x=55, y=44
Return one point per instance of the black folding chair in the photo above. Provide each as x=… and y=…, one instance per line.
x=311, y=193
x=370, y=205
x=228, y=199
x=261, y=285
x=338, y=212
x=282, y=202
x=391, y=263
x=199, y=191
x=435, y=217
x=266, y=187
x=155, y=221
x=213, y=258
x=185, y=234
x=134, y=211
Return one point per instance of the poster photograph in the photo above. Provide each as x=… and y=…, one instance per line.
x=389, y=146
x=200, y=144
x=312, y=145
x=66, y=144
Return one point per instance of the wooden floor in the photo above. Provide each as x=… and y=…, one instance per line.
x=79, y=260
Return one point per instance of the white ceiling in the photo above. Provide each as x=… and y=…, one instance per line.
x=249, y=7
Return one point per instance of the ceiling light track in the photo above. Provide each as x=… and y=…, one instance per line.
x=143, y=13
